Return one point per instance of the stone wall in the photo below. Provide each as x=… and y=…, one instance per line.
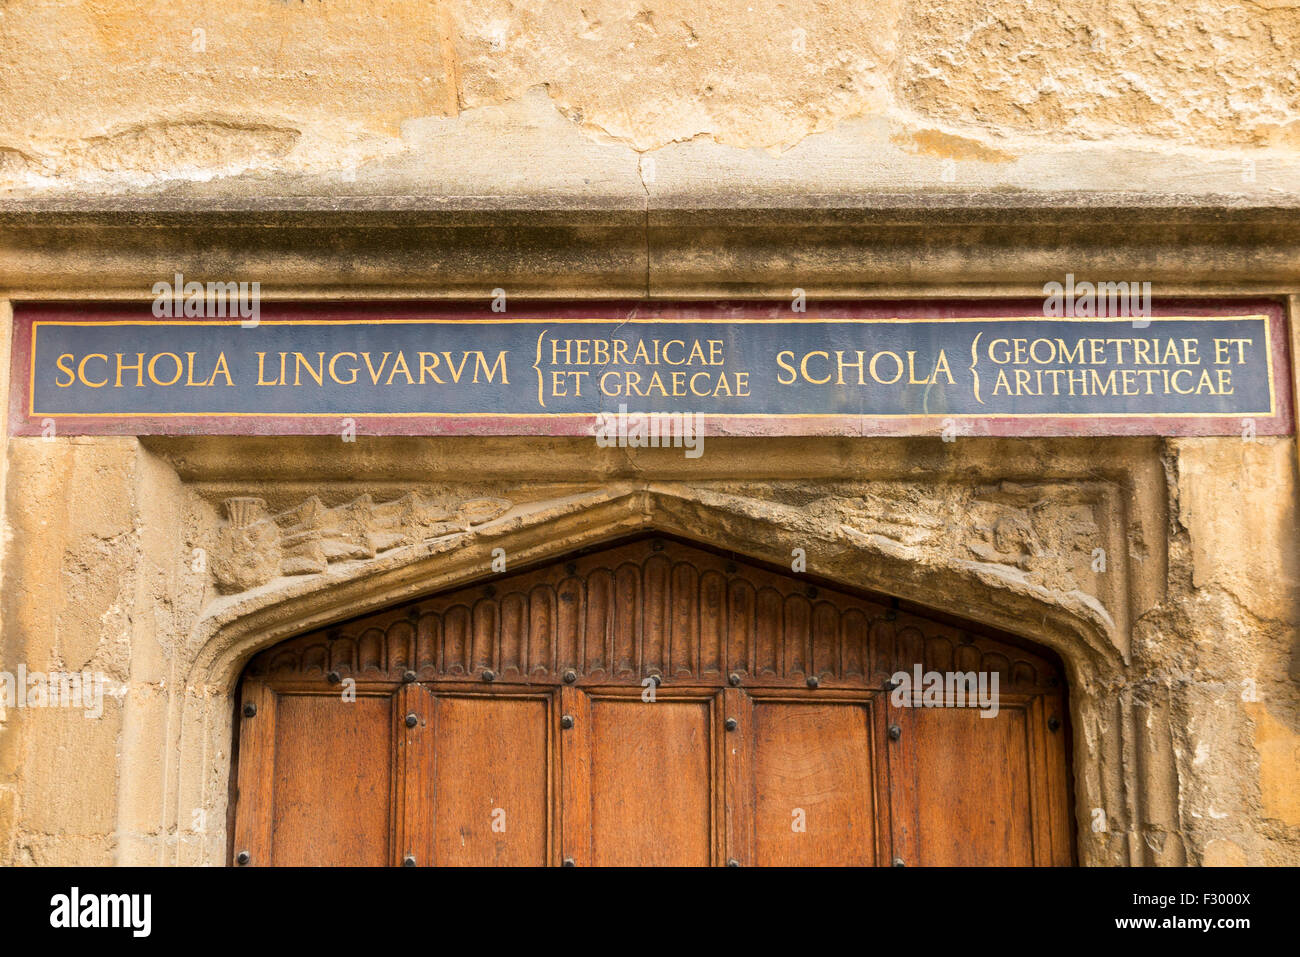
x=130, y=95
x=629, y=149
x=1181, y=655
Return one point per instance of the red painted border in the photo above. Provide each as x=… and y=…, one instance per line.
x=1282, y=423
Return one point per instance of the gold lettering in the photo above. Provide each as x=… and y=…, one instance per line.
x=876, y=375
x=354, y=370
x=261, y=372
x=803, y=367
x=399, y=365
x=138, y=368
x=153, y=363
x=425, y=367
x=72, y=376
x=941, y=366
x=375, y=373
x=491, y=372
x=81, y=370
x=221, y=369
x=839, y=360
x=318, y=373
x=781, y=360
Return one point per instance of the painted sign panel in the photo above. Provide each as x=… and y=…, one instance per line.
x=746, y=368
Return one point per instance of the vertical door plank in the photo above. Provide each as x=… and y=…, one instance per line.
x=652, y=805
x=1040, y=820
x=899, y=752
x=814, y=783
x=738, y=786
x=490, y=783
x=254, y=807
x=333, y=762
x=575, y=776
x=415, y=761
x=882, y=808
x=1057, y=784
x=972, y=780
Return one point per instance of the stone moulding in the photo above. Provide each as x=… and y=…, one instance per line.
x=868, y=244
x=1021, y=557
x=255, y=547
x=1037, y=538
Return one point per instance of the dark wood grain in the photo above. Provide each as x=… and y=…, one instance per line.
x=651, y=782
x=331, y=796
x=814, y=784
x=649, y=646
x=489, y=788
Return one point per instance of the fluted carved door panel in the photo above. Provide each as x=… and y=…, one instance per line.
x=650, y=703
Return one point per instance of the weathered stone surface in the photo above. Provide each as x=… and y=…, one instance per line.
x=1212, y=73
x=254, y=547
x=129, y=95
x=758, y=73
x=1184, y=768
x=147, y=85
x=620, y=149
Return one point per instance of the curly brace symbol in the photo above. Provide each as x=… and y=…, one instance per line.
x=974, y=359
x=540, y=400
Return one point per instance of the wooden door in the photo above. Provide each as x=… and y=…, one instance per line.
x=650, y=703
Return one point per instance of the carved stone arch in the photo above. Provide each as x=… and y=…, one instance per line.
x=559, y=617
x=1072, y=624
x=1075, y=626
x=840, y=694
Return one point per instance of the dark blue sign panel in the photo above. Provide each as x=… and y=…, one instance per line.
x=811, y=373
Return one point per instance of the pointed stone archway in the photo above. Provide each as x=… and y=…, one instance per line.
x=717, y=712
x=893, y=541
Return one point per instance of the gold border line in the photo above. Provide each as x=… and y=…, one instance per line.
x=643, y=321
x=1266, y=319
x=706, y=415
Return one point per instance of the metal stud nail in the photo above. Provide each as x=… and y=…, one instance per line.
x=657, y=678
x=1053, y=723
x=733, y=679
x=242, y=858
x=899, y=862
x=732, y=862
x=895, y=732
x=333, y=677
x=408, y=860
x=891, y=684
x=412, y=720
x=731, y=724
x=566, y=721
x=250, y=710
x=409, y=676
x=489, y=675
x=570, y=676
x=569, y=862
x=813, y=681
